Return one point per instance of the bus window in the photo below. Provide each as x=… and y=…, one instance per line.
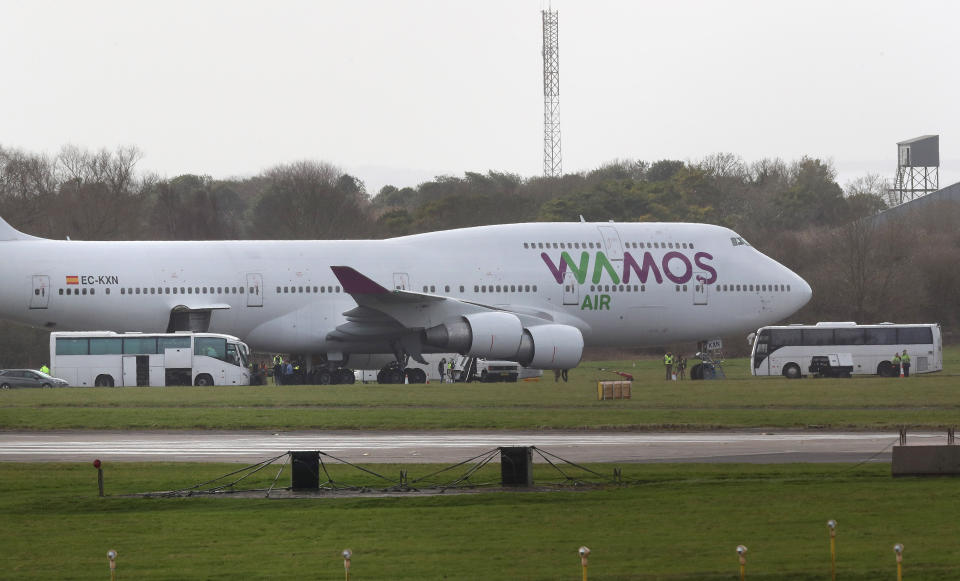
x=106, y=346
x=164, y=343
x=905, y=336
x=140, y=345
x=818, y=337
x=783, y=337
x=881, y=336
x=71, y=346
x=211, y=347
x=849, y=336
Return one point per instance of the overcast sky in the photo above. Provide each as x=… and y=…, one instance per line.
x=397, y=92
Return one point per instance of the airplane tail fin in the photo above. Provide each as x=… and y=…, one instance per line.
x=8, y=232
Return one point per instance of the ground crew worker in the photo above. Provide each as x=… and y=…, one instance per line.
x=277, y=369
x=287, y=373
x=450, y=370
x=45, y=369
x=668, y=364
x=681, y=367
x=442, y=368
x=896, y=364
x=905, y=362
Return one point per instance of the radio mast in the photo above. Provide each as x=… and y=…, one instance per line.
x=552, y=163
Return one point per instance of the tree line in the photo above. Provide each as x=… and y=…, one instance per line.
x=794, y=211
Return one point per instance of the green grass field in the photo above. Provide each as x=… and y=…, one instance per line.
x=675, y=522
x=741, y=401
x=672, y=522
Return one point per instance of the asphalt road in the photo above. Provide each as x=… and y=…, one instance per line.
x=767, y=447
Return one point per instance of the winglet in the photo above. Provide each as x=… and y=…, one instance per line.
x=355, y=283
x=8, y=232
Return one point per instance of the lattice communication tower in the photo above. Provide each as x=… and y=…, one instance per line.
x=918, y=169
x=552, y=163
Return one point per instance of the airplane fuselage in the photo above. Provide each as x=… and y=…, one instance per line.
x=625, y=284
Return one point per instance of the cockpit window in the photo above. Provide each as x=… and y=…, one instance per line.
x=739, y=241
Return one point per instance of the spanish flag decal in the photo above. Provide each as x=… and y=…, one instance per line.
x=73, y=279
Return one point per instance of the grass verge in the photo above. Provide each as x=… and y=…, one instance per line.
x=675, y=522
x=927, y=401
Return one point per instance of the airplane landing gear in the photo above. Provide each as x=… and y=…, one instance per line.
x=395, y=372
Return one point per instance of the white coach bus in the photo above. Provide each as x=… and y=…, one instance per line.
x=107, y=359
x=789, y=350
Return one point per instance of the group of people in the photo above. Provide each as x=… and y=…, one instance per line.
x=286, y=372
x=901, y=362
x=676, y=366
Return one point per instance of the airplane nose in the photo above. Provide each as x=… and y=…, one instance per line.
x=805, y=292
x=802, y=292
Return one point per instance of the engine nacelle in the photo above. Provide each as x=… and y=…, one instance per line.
x=550, y=347
x=493, y=335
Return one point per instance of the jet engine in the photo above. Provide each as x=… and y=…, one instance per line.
x=498, y=335
x=493, y=335
x=550, y=347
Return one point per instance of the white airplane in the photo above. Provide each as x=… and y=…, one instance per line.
x=533, y=293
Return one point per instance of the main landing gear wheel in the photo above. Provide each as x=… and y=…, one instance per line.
x=696, y=372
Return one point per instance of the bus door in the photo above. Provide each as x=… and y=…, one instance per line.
x=254, y=290
x=761, y=353
x=40, y=295
x=136, y=370
x=571, y=291
x=611, y=243
x=401, y=281
x=699, y=288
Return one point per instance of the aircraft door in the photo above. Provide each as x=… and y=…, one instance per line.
x=254, y=290
x=571, y=291
x=401, y=281
x=699, y=288
x=611, y=242
x=40, y=293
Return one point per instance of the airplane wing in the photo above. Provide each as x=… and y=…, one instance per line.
x=409, y=309
x=414, y=320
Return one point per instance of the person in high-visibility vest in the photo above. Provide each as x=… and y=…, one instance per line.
x=905, y=362
x=668, y=364
x=45, y=369
x=896, y=364
x=277, y=369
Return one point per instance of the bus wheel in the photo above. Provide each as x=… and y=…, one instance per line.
x=885, y=369
x=792, y=371
x=203, y=380
x=324, y=377
x=103, y=381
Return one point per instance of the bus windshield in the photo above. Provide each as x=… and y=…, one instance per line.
x=235, y=355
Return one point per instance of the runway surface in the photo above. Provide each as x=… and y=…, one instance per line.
x=448, y=447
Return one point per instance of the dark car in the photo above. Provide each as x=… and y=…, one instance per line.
x=28, y=378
